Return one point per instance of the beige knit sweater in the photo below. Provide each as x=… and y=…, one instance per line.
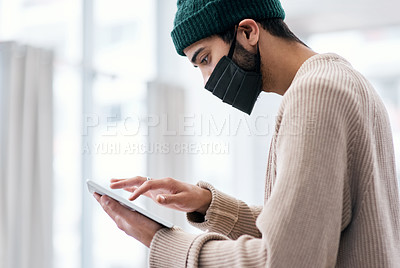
x=331, y=191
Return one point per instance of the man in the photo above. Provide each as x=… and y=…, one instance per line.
x=331, y=196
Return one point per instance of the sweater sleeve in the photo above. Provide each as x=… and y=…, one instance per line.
x=226, y=215
x=300, y=223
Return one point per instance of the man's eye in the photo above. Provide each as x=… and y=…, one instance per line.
x=204, y=60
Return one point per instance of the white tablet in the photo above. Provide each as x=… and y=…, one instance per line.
x=96, y=188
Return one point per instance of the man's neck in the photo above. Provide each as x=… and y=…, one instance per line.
x=280, y=61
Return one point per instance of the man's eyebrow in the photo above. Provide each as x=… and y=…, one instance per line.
x=194, y=58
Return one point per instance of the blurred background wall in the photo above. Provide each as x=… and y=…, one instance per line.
x=125, y=104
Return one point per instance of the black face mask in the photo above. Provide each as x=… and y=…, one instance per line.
x=233, y=85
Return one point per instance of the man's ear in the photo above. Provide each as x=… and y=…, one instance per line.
x=248, y=34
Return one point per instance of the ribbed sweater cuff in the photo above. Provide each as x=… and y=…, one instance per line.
x=170, y=242
x=222, y=214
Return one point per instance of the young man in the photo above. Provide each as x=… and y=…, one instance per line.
x=331, y=195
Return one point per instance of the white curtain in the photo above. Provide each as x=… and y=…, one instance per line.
x=25, y=156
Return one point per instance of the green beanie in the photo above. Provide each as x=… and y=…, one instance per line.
x=198, y=19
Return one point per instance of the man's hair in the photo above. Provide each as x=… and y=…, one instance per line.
x=275, y=26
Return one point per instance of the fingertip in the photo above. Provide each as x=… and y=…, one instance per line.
x=96, y=196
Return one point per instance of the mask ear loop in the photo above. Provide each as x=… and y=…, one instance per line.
x=232, y=49
x=258, y=59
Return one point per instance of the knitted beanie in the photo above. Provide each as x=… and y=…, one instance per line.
x=198, y=19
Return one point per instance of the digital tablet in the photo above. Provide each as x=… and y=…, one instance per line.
x=97, y=188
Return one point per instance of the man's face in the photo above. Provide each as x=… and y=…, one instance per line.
x=206, y=53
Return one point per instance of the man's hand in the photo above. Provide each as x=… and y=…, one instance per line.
x=168, y=192
x=132, y=223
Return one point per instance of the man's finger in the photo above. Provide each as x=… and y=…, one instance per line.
x=119, y=214
x=116, y=180
x=126, y=183
x=130, y=189
x=113, y=208
x=149, y=185
x=97, y=196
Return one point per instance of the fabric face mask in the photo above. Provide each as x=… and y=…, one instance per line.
x=233, y=85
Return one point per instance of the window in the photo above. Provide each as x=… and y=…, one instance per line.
x=123, y=63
